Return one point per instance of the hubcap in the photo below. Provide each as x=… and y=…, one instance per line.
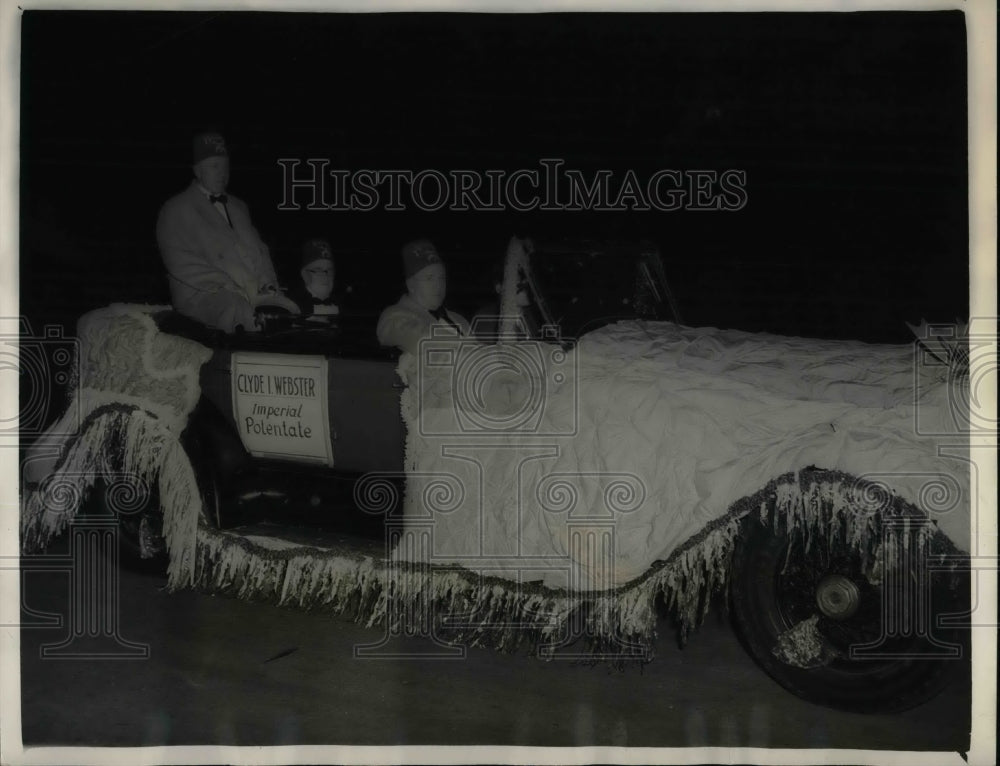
x=838, y=597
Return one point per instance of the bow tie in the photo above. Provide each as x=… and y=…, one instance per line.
x=213, y=198
x=442, y=313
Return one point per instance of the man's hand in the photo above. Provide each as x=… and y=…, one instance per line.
x=269, y=289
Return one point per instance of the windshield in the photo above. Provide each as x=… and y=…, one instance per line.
x=585, y=287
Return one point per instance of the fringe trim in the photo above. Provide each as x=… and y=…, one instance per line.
x=132, y=451
x=462, y=607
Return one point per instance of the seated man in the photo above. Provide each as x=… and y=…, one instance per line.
x=218, y=267
x=315, y=297
x=407, y=322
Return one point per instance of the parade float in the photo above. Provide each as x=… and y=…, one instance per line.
x=565, y=496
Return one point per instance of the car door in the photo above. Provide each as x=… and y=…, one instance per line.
x=367, y=426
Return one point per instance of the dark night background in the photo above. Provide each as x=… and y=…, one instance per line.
x=851, y=129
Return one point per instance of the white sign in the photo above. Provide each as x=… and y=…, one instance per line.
x=281, y=407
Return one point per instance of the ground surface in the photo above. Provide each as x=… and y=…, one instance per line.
x=223, y=671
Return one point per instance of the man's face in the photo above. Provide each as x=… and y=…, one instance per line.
x=427, y=287
x=318, y=278
x=213, y=174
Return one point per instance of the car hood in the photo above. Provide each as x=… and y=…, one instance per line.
x=803, y=369
x=692, y=421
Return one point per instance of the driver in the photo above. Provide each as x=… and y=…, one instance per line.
x=407, y=322
x=218, y=267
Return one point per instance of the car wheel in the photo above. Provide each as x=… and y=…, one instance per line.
x=814, y=616
x=141, y=544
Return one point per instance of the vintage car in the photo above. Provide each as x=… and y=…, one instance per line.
x=613, y=469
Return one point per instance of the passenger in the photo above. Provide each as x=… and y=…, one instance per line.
x=315, y=296
x=406, y=323
x=218, y=267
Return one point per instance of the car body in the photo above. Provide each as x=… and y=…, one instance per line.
x=805, y=505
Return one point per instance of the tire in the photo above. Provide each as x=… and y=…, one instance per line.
x=141, y=544
x=777, y=585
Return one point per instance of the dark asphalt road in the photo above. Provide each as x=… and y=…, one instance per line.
x=222, y=671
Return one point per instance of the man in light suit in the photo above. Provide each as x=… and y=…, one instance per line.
x=218, y=267
x=409, y=320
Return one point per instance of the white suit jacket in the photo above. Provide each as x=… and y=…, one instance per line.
x=214, y=270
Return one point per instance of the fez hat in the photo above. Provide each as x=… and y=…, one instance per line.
x=316, y=250
x=418, y=255
x=209, y=145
